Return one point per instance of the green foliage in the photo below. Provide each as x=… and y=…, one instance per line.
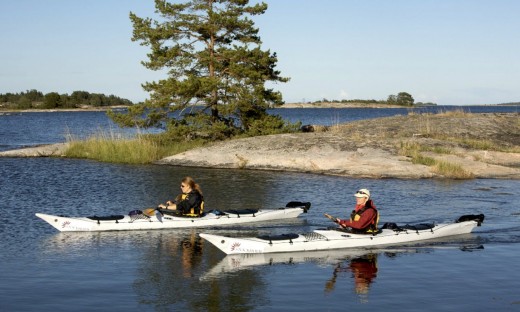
x=392, y=99
x=24, y=103
x=217, y=71
x=52, y=100
x=402, y=98
x=271, y=125
x=198, y=126
x=36, y=99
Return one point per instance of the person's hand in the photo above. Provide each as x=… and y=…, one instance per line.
x=337, y=220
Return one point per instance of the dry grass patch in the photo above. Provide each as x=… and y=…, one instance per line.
x=444, y=168
x=142, y=149
x=450, y=170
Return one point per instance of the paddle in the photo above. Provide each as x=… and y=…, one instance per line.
x=149, y=211
x=331, y=217
x=158, y=215
x=153, y=211
x=334, y=219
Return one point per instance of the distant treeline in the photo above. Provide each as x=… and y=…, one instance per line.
x=36, y=99
x=402, y=98
x=510, y=103
x=349, y=101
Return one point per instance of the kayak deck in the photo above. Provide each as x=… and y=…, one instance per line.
x=164, y=220
x=328, y=239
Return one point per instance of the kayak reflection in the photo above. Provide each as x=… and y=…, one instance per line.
x=362, y=269
x=238, y=262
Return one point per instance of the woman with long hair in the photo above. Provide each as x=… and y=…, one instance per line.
x=190, y=201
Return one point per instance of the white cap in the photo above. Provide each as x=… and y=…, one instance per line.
x=363, y=193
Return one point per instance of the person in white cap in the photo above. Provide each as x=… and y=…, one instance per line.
x=364, y=217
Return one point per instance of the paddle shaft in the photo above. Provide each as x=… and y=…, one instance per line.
x=331, y=217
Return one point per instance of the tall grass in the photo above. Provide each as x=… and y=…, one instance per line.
x=143, y=149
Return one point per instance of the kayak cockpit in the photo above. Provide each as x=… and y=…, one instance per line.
x=281, y=237
x=107, y=218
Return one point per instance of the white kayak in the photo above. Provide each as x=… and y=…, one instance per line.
x=161, y=219
x=336, y=238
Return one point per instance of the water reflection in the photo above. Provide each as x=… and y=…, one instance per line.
x=191, y=254
x=360, y=265
x=164, y=272
x=168, y=271
x=363, y=270
x=355, y=269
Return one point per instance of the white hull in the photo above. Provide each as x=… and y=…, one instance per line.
x=85, y=224
x=336, y=239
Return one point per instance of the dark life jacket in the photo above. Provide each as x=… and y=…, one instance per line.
x=372, y=228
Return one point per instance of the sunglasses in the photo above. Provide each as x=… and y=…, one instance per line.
x=361, y=192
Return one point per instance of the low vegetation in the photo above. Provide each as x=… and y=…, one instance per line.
x=142, y=149
x=444, y=168
x=451, y=170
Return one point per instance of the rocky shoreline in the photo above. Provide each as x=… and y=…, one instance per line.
x=360, y=150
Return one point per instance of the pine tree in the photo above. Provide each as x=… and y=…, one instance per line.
x=216, y=70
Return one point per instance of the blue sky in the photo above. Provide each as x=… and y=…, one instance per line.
x=451, y=52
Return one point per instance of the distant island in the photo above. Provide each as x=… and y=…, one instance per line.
x=402, y=99
x=34, y=99
x=349, y=104
x=371, y=104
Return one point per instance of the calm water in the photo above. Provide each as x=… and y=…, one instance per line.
x=173, y=270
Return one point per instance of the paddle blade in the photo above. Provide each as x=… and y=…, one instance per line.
x=149, y=212
x=158, y=215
